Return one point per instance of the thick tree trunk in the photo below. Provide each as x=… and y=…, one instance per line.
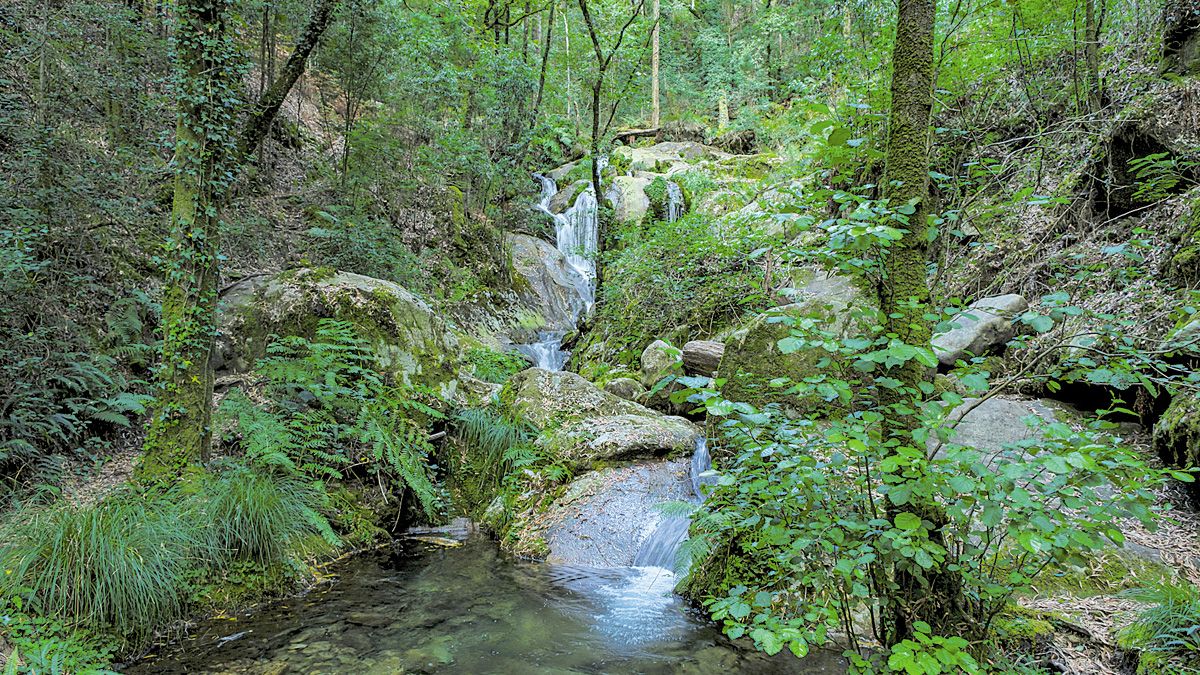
x=181, y=427
x=932, y=596
x=207, y=157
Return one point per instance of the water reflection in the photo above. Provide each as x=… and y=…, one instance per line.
x=429, y=609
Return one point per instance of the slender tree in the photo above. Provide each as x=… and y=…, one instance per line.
x=932, y=596
x=603, y=62
x=656, y=110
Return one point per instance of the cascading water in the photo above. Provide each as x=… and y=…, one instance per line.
x=547, y=352
x=674, y=202
x=662, y=546
x=577, y=235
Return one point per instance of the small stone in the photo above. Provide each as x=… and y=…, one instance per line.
x=625, y=387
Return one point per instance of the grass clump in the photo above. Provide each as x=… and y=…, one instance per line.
x=1166, y=636
x=263, y=518
x=119, y=562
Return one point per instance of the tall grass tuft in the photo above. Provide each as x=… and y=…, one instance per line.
x=491, y=438
x=264, y=517
x=119, y=562
x=1167, y=634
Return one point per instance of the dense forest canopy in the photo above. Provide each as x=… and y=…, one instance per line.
x=907, y=292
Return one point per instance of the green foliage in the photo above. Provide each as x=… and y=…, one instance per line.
x=263, y=518
x=815, y=522
x=1160, y=175
x=330, y=411
x=680, y=277
x=50, y=646
x=1166, y=635
x=117, y=564
x=495, y=367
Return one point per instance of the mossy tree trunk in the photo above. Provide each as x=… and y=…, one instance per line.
x=181, y=428
x=934, y=595
x=208, y=154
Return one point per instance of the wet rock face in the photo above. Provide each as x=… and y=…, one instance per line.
x=985, y=326
x=605, y=516
x=544, y=284
x=410, y=339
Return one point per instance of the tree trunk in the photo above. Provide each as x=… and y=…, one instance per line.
x=264, y=110
x=656, y=110
x=932, y=596
x=207, y=157
x=181, y=428
x=537, y=102
x=1091, y=55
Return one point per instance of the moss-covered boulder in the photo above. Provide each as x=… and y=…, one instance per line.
x=1177, y=433
x=583, y=424
x=412, y=341
x=753, y=358
x=628, y=199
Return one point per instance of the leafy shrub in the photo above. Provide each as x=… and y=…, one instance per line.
x=117, y=563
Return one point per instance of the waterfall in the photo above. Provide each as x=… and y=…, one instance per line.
x=547, y=352
x=662, y=546
x=577, y=233
x=674, y=202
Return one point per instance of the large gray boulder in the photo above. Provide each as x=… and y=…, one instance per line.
x=606, y=516
x=752, y=358
x=627, y=195
x=545, y=285
x=582, y=423
x=985, y=326
x=411, y=341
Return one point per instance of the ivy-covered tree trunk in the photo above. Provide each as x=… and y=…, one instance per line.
x=930, y=595
x=181, y=428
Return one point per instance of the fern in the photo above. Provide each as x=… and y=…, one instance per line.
x=331, y=411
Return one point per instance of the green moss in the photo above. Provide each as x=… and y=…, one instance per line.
x=1177, y=433
x=656, y=192
x=240, y=584
x=1017, y=623
x=1108, y=572
x=1184, y=265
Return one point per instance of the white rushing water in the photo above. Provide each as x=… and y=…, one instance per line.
x=547, y=352
x=662, y=546
x=577, y=233
x=674, y=202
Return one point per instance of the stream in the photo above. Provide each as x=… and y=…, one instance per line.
x=425, y=608
x=432, y=604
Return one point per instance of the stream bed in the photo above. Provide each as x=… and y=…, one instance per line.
x=424, y=608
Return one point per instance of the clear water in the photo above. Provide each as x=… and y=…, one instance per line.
x=468, y=609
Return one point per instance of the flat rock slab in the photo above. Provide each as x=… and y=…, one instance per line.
x=606, y=515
